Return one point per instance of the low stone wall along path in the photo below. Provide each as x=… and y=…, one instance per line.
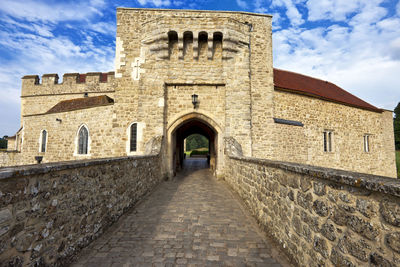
x=192, y=220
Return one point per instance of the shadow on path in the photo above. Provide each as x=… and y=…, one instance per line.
x=191, y=220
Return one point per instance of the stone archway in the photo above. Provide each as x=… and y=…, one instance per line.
x=189, y=124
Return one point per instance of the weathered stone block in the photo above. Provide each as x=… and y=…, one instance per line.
x=311, y=221
x=329, y=230
x=320, y=208
x=365, y=207
x=358, y=248
x=378, y=260
x=347, y=208
x=319, y=188
x=393, y=241
x=291, y=195
x=339, y=260
x=304, y=200
x=305, y=183
x=363, y=227
x=321, y=246
x=306, y=232
x=390, y=212
x=5, y=216
x=339, y=216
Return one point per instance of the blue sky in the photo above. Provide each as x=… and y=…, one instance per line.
x=353, y=43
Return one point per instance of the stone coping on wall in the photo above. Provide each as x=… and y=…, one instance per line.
x=27, y=170
x=196, y=11
x=370, y=182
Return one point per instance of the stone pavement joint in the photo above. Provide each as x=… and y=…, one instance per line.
x=192, y=220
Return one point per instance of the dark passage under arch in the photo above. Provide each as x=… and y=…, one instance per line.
x=187, y=128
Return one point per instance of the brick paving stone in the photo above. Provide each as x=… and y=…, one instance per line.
x=192, y=220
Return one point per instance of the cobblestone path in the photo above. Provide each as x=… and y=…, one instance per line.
x=193, y=220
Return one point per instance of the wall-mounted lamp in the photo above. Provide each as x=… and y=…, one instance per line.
x=194, y=100
x=59, y=120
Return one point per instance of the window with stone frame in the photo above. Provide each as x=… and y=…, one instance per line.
x=43, y=141
x=133, y=137
x=366, y=143
x=328, y=140
x=83, y=140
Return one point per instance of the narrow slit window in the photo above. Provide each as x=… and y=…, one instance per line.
x=188, y=45
x=217, y=45
x=83, y=140
x=133, y=137
x=366, y=143
x=43, y=141
x=203, y=45
x=328, y=141
x=173, y=45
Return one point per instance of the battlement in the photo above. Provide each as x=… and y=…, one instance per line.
x=69, y=78
x=71, y=83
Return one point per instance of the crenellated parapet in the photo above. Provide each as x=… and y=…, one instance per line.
x=49, y=84
x=207, y=38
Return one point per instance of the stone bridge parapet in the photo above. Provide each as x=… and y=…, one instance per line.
x=48, y=212
x=320, y=216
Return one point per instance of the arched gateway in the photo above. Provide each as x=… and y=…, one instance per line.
x=189, y=124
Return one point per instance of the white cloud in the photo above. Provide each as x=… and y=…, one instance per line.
x=364, y=60
x=103, y=27
x=157, y=3
x=34, y=41
x=34, y=10
x=260, y=6
x=242, y=4
x=336, y=10
x=292, y=13
x=398, y=8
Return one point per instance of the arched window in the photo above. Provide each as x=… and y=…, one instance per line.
x=133, y=137
x=43, y=141
x=217, y=45
x=83, y=138
x=173, y=45
x=188, y=45
x=203, y=45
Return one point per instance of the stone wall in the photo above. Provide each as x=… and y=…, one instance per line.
x=38, y=97
x=322, y=217
x=9, y=158
x=348, y=124
x=62, y=136
x=49, y=212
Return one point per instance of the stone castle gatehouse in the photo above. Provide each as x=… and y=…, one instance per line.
x=166, y=57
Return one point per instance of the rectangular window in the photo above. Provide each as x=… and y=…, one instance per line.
x=328, y=141
x=44, y=139
x=366, y=143
x=133, y=137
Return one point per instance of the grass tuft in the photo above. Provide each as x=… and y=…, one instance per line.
x=398, y=163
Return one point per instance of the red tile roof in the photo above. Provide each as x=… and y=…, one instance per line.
x=81, y=103
x=306, y=85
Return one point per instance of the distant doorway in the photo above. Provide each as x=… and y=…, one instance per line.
x=198, y=134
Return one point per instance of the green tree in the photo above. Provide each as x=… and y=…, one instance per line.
x=195, y=141
x=3, y=142
x=396, y=124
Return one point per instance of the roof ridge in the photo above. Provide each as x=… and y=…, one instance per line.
x=298, y=82
x=308, y=76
